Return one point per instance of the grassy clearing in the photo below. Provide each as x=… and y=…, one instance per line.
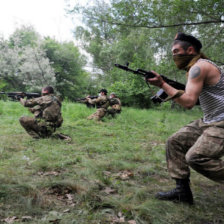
x=109, y=173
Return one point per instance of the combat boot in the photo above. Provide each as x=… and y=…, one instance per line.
x=182, y=193
x=62, y=137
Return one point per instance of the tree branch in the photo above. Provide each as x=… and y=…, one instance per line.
x=165, y=26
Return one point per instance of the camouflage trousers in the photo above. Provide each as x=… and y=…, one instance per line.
x=199, y=146
x=98, y=115
x=37, y=128
x=113, y=112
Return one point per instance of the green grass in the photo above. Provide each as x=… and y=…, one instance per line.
x=109, y=172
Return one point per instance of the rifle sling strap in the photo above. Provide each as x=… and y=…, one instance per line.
x=178, y=94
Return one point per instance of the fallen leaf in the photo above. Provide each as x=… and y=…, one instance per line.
x=109, y=190
x=119, y=214
x=124, y=175
x=26, y=218
x=50, y=173
x=131, y=222
x=55, y=221
x=10, y=219
x=69, y=197
x=107, y=173
x=66, y=211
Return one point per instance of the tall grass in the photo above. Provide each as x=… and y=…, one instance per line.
x=110, y=171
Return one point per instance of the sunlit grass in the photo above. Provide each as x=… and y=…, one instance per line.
x=110, y=170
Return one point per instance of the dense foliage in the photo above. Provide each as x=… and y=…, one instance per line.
x=112, y=31
x=71, y=79
x=29, y=62
x=141, y=32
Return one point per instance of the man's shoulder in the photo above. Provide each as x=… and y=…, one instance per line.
x=205, y=64
x=115, y=99
x=47, y=98
x=103, y=97
x=206, y=71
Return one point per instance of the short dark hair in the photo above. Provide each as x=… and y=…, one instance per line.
x=104, y=91
x=184, y=44
x=187, y=41
x=49, y=89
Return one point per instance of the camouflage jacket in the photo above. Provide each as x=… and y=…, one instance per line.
x=115, y=103
x=46, y=107
x=101, y=102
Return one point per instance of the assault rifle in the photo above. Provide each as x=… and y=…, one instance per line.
x=83, y=100
x=160, y=95
x=16, y=96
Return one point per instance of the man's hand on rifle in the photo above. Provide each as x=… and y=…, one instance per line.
x=157, y=80
x=20, y=95
x=22, y=101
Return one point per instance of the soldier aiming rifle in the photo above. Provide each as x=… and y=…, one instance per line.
x=84, y=100
x=200, y=144
x=47, y=115
x=101, y=102
x=115, y=105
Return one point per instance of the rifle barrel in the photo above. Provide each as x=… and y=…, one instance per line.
x=17, y=95
x=126, y=68
x=149, y=74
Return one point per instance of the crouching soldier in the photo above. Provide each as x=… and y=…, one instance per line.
x=115, y=105
x=47, y=115
x=102, y=103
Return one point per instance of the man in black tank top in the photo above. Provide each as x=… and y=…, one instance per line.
x=200, y=144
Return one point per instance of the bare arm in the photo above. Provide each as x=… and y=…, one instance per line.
x=193, y=89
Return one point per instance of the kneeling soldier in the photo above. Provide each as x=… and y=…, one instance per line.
x=115, y=105
x=47, y=114
x=102, y=103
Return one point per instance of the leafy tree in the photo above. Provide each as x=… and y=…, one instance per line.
x=23, y=61
x=29, y=62
x=24, y=36
x=68, y=63
x=9, y=63
x=35, y=70
x=141, y=32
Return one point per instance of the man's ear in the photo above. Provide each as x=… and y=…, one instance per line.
x=191, y=50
